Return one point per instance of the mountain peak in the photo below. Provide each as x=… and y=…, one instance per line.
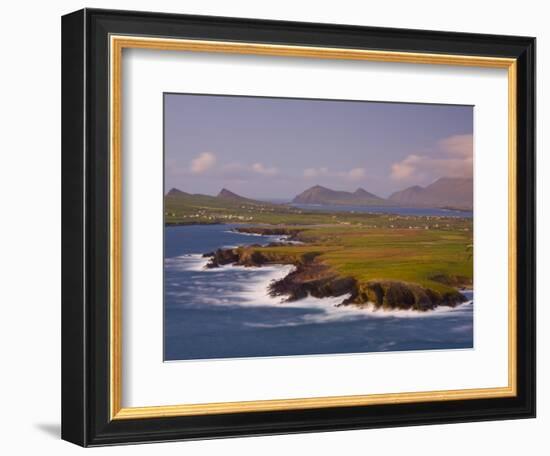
x=454, y=192
x=228, y=194
x=322, y=195
x=454, y=181
x=176, y=192
x=362, y=192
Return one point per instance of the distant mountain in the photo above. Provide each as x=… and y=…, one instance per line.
x=409, y=196
x=448, y=192
x=177, y=192
x=228, y=194
x=225, y=198
x=323, y=195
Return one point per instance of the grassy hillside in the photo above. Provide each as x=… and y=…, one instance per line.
x=433, y=258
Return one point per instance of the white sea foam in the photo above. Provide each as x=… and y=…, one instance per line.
x=329, y=311
x=250, y=288
x=271, y=237
x=187, y=262
x=243, y=234
x=254, y=288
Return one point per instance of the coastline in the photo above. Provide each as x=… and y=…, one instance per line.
x=203, y=305
x=311, y=277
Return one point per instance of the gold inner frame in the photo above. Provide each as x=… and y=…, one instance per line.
x=117, y=44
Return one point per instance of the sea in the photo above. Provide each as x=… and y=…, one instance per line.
x=227, y=312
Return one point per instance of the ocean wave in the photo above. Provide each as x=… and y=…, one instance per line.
x=242, y=286
x=243, y=234
x=270, y=237
x=187, y=262
x=330, y=312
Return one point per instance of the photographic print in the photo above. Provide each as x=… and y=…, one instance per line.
x=311, y=211
x=315, y=227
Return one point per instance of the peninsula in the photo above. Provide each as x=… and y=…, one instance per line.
x=388, y=261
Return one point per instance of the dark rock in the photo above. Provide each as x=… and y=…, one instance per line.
x=390, y=294
x=222, y=257
x=292, y=233
x=313, y=278
x=252, y=258
x=452, y=280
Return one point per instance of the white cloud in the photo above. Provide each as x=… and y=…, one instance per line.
x=458, y=145
x=315, y=172
x=451, y=157
x=203, y=162
x=261, y=169
x=405, y=168
x=241, y=171
x=356, y=173
x=353, y=174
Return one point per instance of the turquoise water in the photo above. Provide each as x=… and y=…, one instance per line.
x=227, y=313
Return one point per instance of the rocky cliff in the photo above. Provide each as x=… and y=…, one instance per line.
x=312, y=277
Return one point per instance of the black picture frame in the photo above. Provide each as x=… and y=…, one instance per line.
x=85, y=224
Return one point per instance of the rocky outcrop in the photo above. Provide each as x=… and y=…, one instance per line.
x=292, y=233
x=456, y=281
x=221, y=257
x=392, y=294
x=249, y=256
x=316, y=279
x=311, y=277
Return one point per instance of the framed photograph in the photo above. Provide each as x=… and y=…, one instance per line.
x=278, y=227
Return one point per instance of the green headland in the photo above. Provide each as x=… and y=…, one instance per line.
x=385, y=260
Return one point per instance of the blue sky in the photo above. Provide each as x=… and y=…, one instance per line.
x=277, y=147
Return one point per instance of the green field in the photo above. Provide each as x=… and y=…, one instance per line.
x=431, y=251
x=431, y=258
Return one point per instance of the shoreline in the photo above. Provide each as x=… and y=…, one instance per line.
x=311, y=277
